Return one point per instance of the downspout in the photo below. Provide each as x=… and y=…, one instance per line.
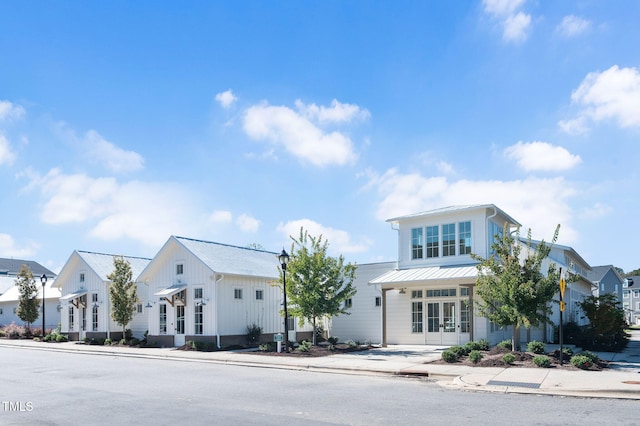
x=215, y=305
x=399, y=249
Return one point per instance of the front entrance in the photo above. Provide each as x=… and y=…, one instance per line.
x=441, y=323
x=179, y=329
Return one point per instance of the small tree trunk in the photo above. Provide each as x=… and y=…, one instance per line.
x=313, y=338
x=515, y=339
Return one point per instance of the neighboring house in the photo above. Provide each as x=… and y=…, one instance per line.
x=9, y=269
x=207, y=291
x=427, y=298
x=569, y=260
x=606, y=280
x=85, y=301
x=631, y=299
x=363, y=322
x=9, y=305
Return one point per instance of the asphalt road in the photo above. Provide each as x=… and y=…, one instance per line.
x=42, y=387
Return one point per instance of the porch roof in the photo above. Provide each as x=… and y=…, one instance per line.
x=170, y=291
x=436, y=273
x=73, y=295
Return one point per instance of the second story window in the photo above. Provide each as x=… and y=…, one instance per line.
x=416, y=243
x=81, y=277
x=179, y=269
x=464, y=238
x=449, y=239
x=433, y=241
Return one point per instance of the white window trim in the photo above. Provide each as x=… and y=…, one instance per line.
x=236, y=291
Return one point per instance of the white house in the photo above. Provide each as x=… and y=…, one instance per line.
x=9, y=270
x=631, y=299
x=85, y=301
x=9, y=305
x=427, y=298
x=207, y=291
x=363, y=323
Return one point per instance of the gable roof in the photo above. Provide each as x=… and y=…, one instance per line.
x=12, y=267
x=233, y=260
x=102, y=264
x=597, y=273
x=455, y=209
x=50, y=292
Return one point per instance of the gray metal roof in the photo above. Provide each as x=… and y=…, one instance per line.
x=426, y=274
x=13, y=293
x=455, y=209
x=12, y=267
x=102, y=264
x=228, y=259
x=598, y=272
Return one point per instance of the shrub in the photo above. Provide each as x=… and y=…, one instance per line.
x=536, y=347
x=449, y=356
x=128, y=334
x=460, y=351
x=567, y=352
x=581, y=361
x=481, y=345
x=592, y=357
x=475, y=356
x=305, y=346
x=122, y=342
x=542, y=361
x=107, y=342
x=61, y=338
x=508, y=358
x=320, y=333
x=134, y=342
x=267, y=347
x=254, y=331
x=333, y=340
x=505, y=344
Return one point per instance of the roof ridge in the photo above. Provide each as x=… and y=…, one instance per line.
x=224, y=244
x=112, y=255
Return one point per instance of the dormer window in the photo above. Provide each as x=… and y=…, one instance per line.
x=179, y=269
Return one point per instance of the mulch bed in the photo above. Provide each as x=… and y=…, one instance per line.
x=493, y=358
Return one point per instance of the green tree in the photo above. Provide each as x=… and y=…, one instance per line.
x=511, y=290
x=122, y=293
x=317, y=284
x=28, y=302
x=631, y=273
x=606, y=329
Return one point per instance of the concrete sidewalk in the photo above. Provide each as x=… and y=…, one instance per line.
x=622, y=380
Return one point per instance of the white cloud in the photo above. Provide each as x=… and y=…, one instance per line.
x=338, y=112
x=613, y=94
x=539, y=204
x=9, y=248
x=112, y=157
x=7, y=156
x=143, y=211
x=596, y=211
x=9, y=111
x=445, y=168
x=516, y=27
x=226, y=99
x=221, y=216
x=576, y=126
x=515, y=24
x=298, y=135
x=339, y=241
x=572, y=26
x=248, y=223
x=532, y=156
x=502, y=8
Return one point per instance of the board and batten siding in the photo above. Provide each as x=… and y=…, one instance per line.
x=364, y=322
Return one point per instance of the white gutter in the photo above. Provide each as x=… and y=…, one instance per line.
x=399, y=248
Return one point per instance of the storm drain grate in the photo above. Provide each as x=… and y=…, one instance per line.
x=516, y=384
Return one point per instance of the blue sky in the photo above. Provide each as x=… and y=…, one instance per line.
x=122, y=123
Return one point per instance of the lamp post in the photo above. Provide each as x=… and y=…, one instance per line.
x=284, y=259
x=43, y=280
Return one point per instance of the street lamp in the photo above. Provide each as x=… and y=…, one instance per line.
x=43, y=280
x=284, y=259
